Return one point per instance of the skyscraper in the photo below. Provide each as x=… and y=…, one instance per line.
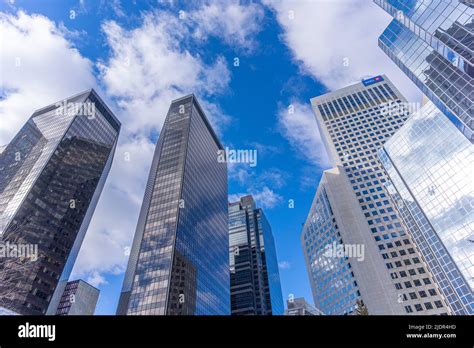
x=299, y=306
x=432, y=42
x=354, y=242
x=79, y=298
x=430, y=162
x=51, y=177
x=430, y=165
x=254, y=278
x=179, y=261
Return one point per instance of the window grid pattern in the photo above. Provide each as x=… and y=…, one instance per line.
x=180, y=264
x=430, y=164
x=432, y=42
x=332, y=279
x=50, y=174
x=255, y=279
x=357, y=130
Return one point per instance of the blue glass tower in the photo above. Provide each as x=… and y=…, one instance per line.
x=430, y=165
x=429, y=161
x=432, y=42
x=254, y=277
x=179, y=261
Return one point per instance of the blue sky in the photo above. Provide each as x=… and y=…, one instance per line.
x=139, y=55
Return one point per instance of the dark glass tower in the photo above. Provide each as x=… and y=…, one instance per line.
x=51, y=177
x=179, y=262
x=254, y=277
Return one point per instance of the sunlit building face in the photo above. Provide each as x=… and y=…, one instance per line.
x=179, y=261
x=430, y=164
x=432, y=42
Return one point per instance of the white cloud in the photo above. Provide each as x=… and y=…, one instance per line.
x=298, y=126
x=249, y=177
x=113, y=224
x=265, y=198
x=116, y=6
x=324, y=34
x=39, y=67
x=284, y=265
x=148, y=67
x=95, y=279
x=233, y=22
x=240, y=172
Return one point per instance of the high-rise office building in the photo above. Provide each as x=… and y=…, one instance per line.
x=254, y=277
x=51, y=177
x=430, y=165
x=432, y=42
x=299, y=306
x=429, y=161
x=179, y=260
x=355, y=245
x=79, y=298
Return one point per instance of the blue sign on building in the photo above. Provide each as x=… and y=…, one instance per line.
x=372, y=80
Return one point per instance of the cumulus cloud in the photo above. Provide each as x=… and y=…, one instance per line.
x=96, y=279
x=231, y=21
x=156, y=69
x=298, y=125
x=265, y=198
x=336, y=41
x=148, y=66
x=55, y=69
x=261, y=185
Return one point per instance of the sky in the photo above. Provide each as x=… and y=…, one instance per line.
x=253, y=67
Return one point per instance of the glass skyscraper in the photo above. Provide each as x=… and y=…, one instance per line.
x=51, y=177
x=430, y=162
x=254, y=277
x=431, y=165
x=179, y=261
x=355, y=244
x=432, y=42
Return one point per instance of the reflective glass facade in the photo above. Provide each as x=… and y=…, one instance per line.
x=354, y=123
x=432, y=42
x=271, y=274
x=333, y=282
x=254, y=277
x=430, y=165
x=179, y=262
x=51, y=176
